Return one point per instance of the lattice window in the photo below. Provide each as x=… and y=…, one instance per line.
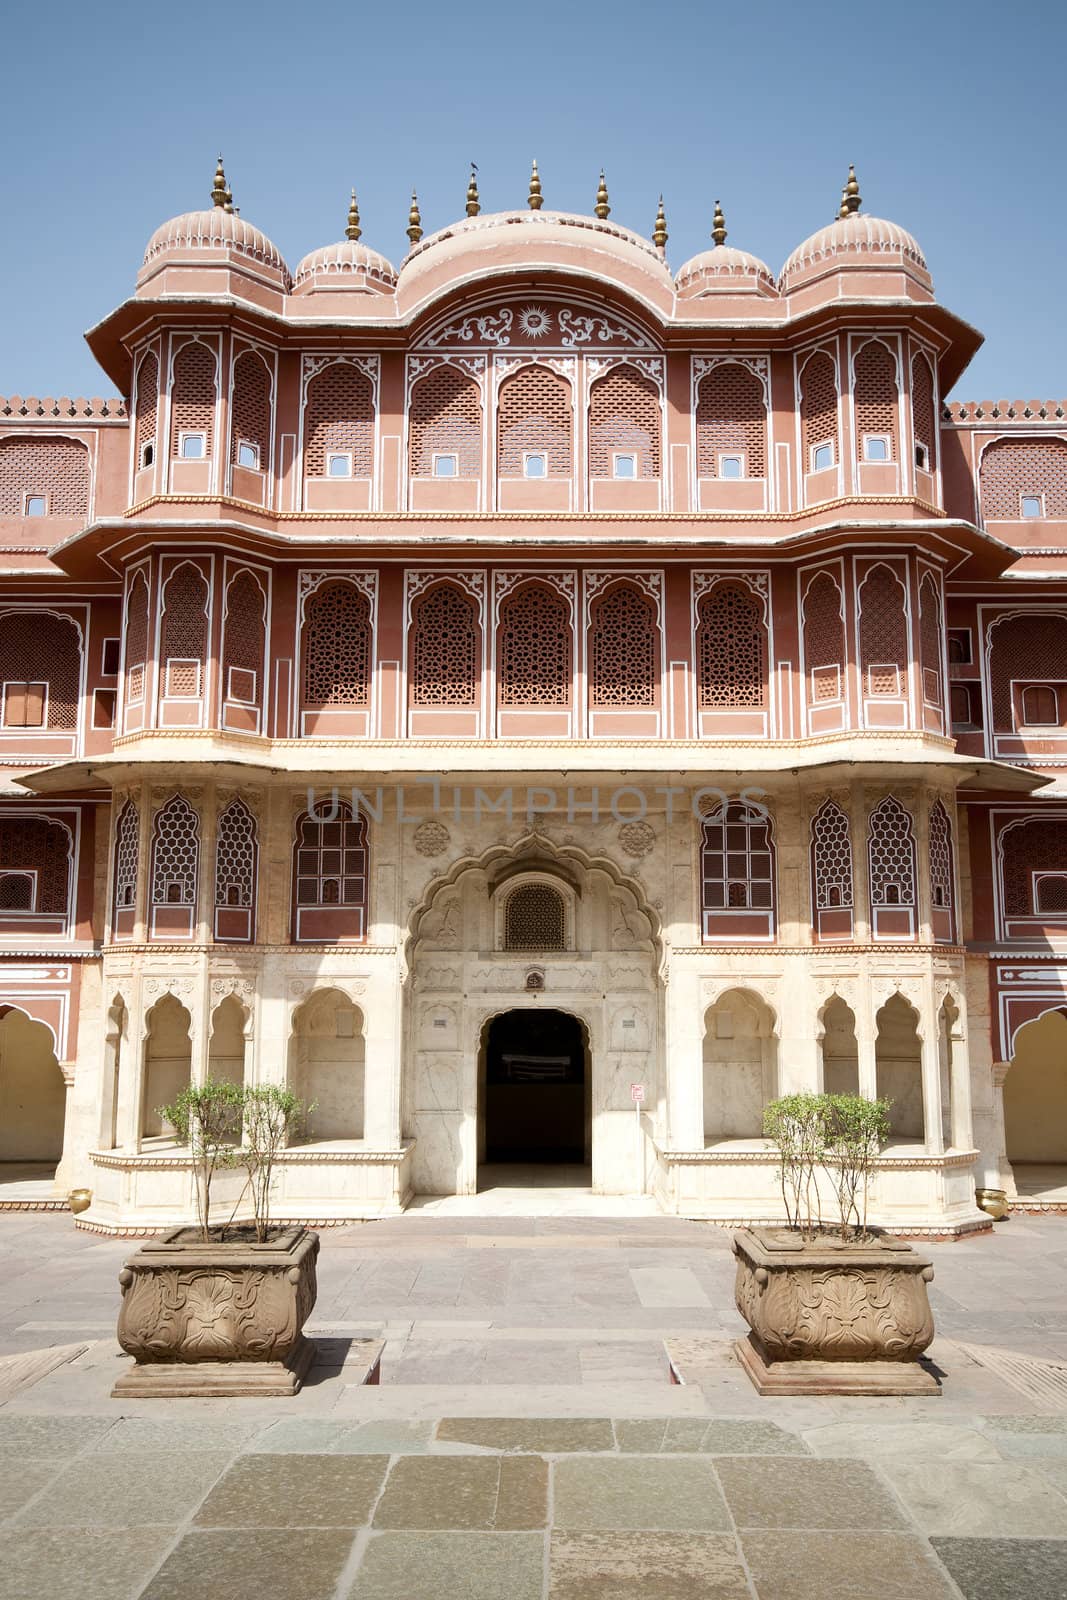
x=737, y=860
x=337, y=646
x=38, y=849
x=445, y=648
x=623, y=646
x=831, y=858
x=251, y=407
x=1050, y=894
x=891, y=855
x=330, y=864
x=818, y=405
x=534, y=415
x=16, y=891
x=875, y=395
x=445, y=418
x=37, y=647
x=930, y=636
x=534, y=648
x=824, y=639
x=940, y=850
x=883, y=633
x=127, y=857
x=184, y=632
x=192, y=396
x=175, y=854
x=147, y=404
x=1014, y=467
x=923, y=412
x=731, y=420
x=339, y=419
x=136, y=638
x=236, y=857
x=731, y=649
x=244, y=637
x=1028, y=851
x=58, y=469
x=624, y=415
x=1024, y=648
x=535, y=918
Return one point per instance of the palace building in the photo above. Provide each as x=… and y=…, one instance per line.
x=540, y=705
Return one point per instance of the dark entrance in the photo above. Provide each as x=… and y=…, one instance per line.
x=535, y=1089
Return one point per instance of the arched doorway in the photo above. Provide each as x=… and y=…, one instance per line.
x=534, y=1100
x=32, y=1092
x=1035, y=1107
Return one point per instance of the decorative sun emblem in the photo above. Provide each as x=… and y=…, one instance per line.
x=535, y=321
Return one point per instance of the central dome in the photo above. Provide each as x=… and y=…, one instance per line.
x=218, y=236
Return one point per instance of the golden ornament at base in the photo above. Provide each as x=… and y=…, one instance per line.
x=994, y=1202
x=80, y=1200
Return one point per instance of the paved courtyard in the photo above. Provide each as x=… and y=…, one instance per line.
x=525, y=1441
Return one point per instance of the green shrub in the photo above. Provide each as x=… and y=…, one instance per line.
x=838, y=1134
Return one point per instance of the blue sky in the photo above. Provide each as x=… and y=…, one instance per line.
x=114, y=115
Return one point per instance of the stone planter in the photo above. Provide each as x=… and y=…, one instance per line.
x=217, y=1319
x=833, y=1318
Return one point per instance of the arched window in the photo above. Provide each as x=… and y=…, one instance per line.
x=175, y=869
x=35, y=855
x=1040, y=706
x=53, y=470
x=831, y=867
x=737, y=873
x=875, y=395
x=40, y=671
x=244, y=637
x=924, y=414
x=1016, y=469
x=136, y=638
x=942, y=895
x=1033, y=854
x=127, y=860
x=624, y=425
x=339, y=423
x=824, y=639
x=535, y=918
x=184, y=633
x=147, y=410
x=445, y=421
x=534, y=425
x=930, y=637
x=534, y=649
x=330, y=875
x=337, y=646
x=192, y=402
x=731, y=648
x=445, y=648
x=1031, y=646
x=883, y=634
x=818, y=412
x=250, y=415
x=623, y=649
x=891, y=857
x=236, y=866
x=731, y=423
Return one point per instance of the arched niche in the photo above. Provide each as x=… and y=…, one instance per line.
x=226, y=1047
x=32, y=1091
x=840, y=1053
x=898, y=1067
x=1035, y=1093
x=167, y=1062
x=327, y=1065
x=740, y=1066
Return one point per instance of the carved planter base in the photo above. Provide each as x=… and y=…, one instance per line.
x=217, y=1319
x=833, y=1318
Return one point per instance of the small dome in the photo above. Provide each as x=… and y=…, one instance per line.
x=348, y=264
x=215, y=230
x=724, y=269
x=855, y=241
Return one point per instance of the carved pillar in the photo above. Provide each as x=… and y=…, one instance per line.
x=1004, y=1167
x=866, y=1012
x=930, y=1055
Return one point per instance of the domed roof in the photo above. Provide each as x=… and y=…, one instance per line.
x=218, y=231
x=855, y=241
x=723, y=268
x=346, y=265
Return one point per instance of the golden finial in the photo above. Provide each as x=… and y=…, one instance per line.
x=843, y=212
x=219, y=191
x=414, y=220
x=718, y=225
x=353, y=229
x=659, y=233
x=602, y=209
x=474, y=205
x=228, y=204
x=534, y=199
x=850, y=195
